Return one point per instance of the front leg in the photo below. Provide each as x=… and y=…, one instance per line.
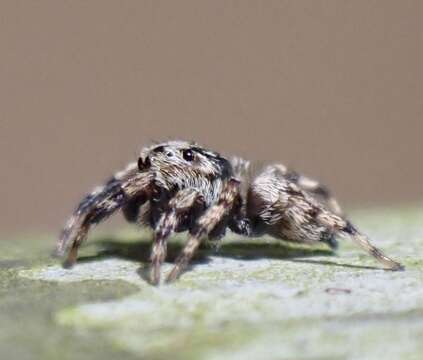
x=205, y=224
x=99, y=205
x=186, y=202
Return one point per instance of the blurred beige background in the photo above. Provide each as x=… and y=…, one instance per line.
x=333, y=88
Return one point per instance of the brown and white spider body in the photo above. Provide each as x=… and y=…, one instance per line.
x=179, y=186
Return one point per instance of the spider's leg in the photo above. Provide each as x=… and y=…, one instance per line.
x=363, y=241
x=285, y=211
x=179, y=206
x=132, y=210
x=205, y=224
x=345, y=229
x=313, y=187
x=99, y=205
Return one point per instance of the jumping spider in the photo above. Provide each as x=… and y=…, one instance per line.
x=177, y=186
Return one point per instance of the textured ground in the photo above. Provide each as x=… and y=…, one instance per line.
x=253, y=299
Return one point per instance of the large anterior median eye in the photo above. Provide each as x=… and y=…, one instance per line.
x=188, y=155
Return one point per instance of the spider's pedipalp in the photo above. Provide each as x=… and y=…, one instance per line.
x=205, y=224
x=99, y=205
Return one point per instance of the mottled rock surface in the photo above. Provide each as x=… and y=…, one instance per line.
x=254, y=299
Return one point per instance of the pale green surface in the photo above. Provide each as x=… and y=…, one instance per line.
x=253, y=299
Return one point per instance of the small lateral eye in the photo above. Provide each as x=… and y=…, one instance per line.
x=188, y=155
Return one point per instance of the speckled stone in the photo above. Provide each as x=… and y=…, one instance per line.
x=254, y=299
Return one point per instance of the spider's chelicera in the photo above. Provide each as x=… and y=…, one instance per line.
x=180, y=186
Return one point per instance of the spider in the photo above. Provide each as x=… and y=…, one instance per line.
x=180, y=186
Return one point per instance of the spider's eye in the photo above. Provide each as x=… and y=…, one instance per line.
x=188, y=155
x=143, y=165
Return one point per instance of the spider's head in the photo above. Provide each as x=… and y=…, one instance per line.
x=182, y=163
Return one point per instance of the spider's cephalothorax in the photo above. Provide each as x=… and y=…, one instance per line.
x=177, y=186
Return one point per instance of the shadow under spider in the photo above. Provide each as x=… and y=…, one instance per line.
x=239, y=249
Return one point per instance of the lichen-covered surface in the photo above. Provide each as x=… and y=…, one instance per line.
x=254, y=299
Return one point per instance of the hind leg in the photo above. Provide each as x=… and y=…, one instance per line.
x=346, y=229
x=285, y=211
x=312, y=186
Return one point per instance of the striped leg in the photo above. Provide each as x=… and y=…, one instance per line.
x=313, y=187
x=290, y=213
x=345, y=229
x=179, y=205
x=99, y=205
x=205, y=224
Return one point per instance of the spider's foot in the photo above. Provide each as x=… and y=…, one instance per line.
x=68, y=264
x=330, y=240
x=396, y=266
x=155, y=274
x=173, y=275
x=71, y=259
